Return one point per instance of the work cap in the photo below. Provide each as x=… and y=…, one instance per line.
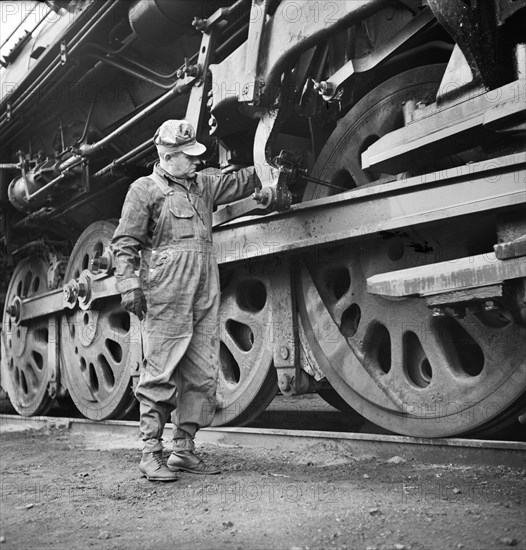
x=178, y=136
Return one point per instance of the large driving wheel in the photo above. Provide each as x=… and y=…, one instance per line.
x=26, y=371
x=99, y=347
x=391, y=360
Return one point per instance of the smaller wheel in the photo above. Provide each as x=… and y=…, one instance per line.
x=25, y=366
x=99, y=346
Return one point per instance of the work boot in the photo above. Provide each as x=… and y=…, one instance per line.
x=188, y=461
x=153, y=469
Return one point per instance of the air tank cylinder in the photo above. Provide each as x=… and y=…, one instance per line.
x=18, y=188
x=30, y=182
x=161, y=22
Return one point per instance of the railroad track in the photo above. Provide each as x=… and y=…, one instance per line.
x=457, y=451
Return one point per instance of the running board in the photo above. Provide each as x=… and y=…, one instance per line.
x=455, y=276
x=443, y=131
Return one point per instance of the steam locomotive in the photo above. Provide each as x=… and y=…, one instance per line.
x=382, y=262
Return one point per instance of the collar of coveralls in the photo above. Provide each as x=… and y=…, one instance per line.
x=186, y=183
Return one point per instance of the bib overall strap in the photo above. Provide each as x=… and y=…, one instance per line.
x=161, y=184
x=164, y=210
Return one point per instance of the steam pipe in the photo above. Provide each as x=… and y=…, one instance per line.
x=123, y=64
x=129, y=70
x=141, y=150
x=88, y=120
x=182, y=86
x=144, y=68
x=128, y=41
x=90, y=149
x=53, y=182
x=46, y=187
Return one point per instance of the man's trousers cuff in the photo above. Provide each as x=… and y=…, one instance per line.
x=185, y=444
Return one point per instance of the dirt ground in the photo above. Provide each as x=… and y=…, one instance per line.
x=59, y=490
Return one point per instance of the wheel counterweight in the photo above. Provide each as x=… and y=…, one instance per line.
x=26, y=371
x=99, y=347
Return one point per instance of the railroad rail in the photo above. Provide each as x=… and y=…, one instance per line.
x=458, y=451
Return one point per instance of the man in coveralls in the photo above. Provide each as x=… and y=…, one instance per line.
x=167, y=217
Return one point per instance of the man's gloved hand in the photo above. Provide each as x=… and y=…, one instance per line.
x=134, y=301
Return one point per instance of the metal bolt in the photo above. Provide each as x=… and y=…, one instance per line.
x=490, y=305
x=263, y=196
x=284, y=383
x=70, y=291
x=284, y=352
x=324, y=87
x=438, y=312
x=199, y=24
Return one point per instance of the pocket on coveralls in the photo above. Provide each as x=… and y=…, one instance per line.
x=183, y=223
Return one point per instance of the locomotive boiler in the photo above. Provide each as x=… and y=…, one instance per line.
x=382, y=262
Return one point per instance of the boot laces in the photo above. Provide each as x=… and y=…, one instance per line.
x=158, y=458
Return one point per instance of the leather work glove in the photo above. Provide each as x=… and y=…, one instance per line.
x=134, y=301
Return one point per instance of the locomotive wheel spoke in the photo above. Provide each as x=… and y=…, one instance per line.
x=25, y=367
x=247, y=379
x=240, y=356
x=391, y=359
x=99, y=347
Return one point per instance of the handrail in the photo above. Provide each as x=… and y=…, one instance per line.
x=18, y=26
x=43, y=18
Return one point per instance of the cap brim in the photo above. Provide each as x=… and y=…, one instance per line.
x=194, y=150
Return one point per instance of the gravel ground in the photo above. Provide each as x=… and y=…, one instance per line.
x=60, y=490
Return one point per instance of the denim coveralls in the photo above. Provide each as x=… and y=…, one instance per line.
x=169, y=221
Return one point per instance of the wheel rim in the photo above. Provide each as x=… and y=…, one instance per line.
x=390, y=359
x=247, y=379
x=99, y=347
x=25, y=366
